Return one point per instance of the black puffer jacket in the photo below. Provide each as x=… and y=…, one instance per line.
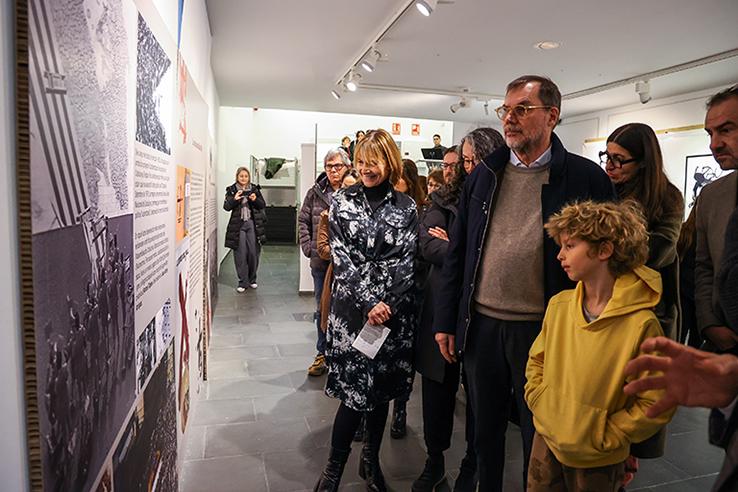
x=428, y=359
x=316, y=200
x=234, y=223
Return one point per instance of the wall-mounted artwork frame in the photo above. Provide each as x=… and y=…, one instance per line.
x=699, y=171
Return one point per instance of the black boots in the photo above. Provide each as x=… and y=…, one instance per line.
x=369, y=462
x=399, y=420
x=333, y=471
x=433, y=474
x=467, y=480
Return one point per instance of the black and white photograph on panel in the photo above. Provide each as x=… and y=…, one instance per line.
x=85, y=345
x=81, y=95
x=145, y=354
x=163, y=328
x=700, y=170
x=146, y=456
x=151, y=343
x=154, y=92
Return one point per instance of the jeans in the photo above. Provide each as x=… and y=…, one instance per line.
x=318, y=280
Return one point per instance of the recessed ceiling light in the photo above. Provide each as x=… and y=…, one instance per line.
x=547, y=45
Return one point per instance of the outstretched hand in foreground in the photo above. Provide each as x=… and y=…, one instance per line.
x=690, y=377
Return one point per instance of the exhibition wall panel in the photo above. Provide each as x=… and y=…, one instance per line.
x=122, y=180
x=13, y=456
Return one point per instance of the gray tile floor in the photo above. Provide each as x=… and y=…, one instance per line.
x=263, y=425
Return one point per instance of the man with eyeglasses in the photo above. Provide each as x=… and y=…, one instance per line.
x=501, y=269
x=437, y=142
x=717, y=201
x=317, y=199
x=450, y=158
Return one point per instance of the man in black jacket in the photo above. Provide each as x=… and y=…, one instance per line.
x=501, y=268
x=317, y=199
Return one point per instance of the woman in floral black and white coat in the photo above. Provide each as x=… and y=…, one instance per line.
x=373, y=239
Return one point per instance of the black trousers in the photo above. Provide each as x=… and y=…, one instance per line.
x=495, y=357
x=439, y=403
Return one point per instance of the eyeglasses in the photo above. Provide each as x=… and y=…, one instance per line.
x=520, y=111
x=617, y=162
x=448, y=165
x=469, y=162
x=334, y=167
x=433, y=186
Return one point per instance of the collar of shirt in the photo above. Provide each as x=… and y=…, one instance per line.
x=541, y=161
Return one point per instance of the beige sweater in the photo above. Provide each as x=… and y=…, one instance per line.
x=510, y=276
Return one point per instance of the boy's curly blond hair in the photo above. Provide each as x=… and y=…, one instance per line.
x=621, y=224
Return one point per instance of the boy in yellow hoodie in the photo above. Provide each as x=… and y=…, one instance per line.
x=584, y=422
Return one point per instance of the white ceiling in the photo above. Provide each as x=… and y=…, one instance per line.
x=288, y=54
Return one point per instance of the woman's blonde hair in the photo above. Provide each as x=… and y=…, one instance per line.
x=378, y=145
x=621, y=224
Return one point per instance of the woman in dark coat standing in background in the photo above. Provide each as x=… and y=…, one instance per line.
x=373, y=239
x=245, y=230
x=634, y=163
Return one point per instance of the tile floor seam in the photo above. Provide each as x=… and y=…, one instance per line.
x=263, y=470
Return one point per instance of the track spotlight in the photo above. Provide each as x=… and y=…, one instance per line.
x=464, y=103
x=370, y=62
x=354, y=79
x=336, y=94
x=644, y=91
x=427, y=7
x=486, y=108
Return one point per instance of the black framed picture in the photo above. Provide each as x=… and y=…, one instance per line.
x=700, y=170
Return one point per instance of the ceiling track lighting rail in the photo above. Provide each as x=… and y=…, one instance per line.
x=368, y=58
x=638, y=79
x=652, y=75
x=435, y=92
x=376, y=39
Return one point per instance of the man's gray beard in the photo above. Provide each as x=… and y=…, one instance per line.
x=524, y=146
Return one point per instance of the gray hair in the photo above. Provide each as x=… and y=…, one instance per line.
x=340, y=152
x=483, y=142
